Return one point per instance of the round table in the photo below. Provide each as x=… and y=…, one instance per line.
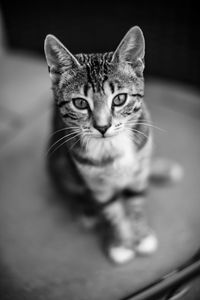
x=46, y=254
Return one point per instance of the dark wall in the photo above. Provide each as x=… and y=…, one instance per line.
x=171, y=30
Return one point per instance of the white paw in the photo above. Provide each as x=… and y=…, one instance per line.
x=121, y=255
x=148, y=245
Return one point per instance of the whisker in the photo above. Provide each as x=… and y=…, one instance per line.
x=65, y=136
x=75, y=127
x=64, y=143
x=143, y=120
x=146, y=124
x=140, y=132
x=75, y=143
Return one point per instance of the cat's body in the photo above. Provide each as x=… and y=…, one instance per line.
x=101, y=145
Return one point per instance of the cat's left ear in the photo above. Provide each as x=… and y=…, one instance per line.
x=58, y=57
x=131, y=50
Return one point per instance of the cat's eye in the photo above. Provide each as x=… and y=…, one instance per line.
x=119, y=100
x=80, y=103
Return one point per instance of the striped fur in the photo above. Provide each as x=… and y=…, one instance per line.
x=99, y=152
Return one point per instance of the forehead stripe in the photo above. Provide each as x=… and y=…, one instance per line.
x=85, y=89
x=112, y=87
x=90, y=77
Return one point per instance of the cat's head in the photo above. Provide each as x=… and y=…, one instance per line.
x=101, y=94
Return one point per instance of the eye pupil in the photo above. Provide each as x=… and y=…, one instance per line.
x=80, y=103
x=119, y=100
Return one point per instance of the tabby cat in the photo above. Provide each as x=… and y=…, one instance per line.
x=101, y=147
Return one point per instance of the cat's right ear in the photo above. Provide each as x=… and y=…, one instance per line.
x=58, y=58
x=131, y=50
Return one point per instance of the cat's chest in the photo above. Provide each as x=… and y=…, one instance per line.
x=126, y=163
x=119, y=171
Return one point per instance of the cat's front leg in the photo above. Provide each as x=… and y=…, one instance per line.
x=145, y=239
x=117, y=233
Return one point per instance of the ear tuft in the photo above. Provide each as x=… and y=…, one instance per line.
x=58, y=57
x=131, y=50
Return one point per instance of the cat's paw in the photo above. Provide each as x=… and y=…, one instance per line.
x=120, y=254
x=147, y=245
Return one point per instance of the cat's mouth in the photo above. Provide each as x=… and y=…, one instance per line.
x=105, y=136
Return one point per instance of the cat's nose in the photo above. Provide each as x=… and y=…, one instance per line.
x=102, y=129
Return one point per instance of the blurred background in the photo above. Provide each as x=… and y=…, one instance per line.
x=171, y=30
x=35, y=252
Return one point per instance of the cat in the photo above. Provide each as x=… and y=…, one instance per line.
x=101, y=147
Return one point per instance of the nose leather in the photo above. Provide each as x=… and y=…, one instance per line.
x=102, y=129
